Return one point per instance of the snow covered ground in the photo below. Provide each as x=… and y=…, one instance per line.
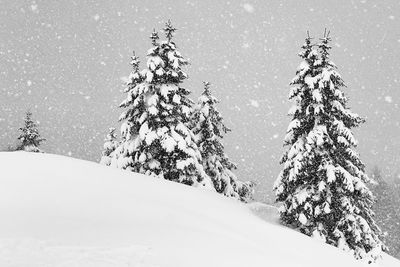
x=59, y=211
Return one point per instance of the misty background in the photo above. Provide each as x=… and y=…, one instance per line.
x=66, y=61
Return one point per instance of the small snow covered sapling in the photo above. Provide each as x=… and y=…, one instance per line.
x=323, y=184
x=209, y=128
x=30, y=137
x=109, y=147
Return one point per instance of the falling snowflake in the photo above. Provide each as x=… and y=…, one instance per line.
x=34, y=7
x=246, y=45
x=254, y=103
x=249, y=8
x=388, y=99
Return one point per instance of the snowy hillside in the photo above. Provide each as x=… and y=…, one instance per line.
x=58, y=211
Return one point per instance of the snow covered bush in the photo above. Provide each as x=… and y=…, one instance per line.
x=109, y=147
x=30, y=138
x=323, y=184
x=209, y=128
x=156, y=139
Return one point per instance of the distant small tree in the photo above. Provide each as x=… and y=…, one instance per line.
x=30, y=138
x=109, y=147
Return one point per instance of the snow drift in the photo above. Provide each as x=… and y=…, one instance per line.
x=59, y=211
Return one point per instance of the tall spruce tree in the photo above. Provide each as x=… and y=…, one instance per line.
x=109, y=147
x=30, y=137
x=323, y=184
x=209, y=128
x=156, y=138
x=125, y=152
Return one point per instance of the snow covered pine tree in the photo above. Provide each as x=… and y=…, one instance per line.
x=124, y=155
x=30, y=137
x=156, y=139
x=209, y=128
x=323, y=182
x=110, y=145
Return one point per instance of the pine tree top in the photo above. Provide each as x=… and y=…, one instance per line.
x=135, y=62
x=307, y=44
x=207, y=90
x=154, y=37
x=28, y=117
x=206, y=106
x=324, y=46
x=165, y=62
x=29, y=123
x=206, y=96
x=169, y=30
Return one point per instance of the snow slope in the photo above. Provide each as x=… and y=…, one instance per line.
x=59, y=211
